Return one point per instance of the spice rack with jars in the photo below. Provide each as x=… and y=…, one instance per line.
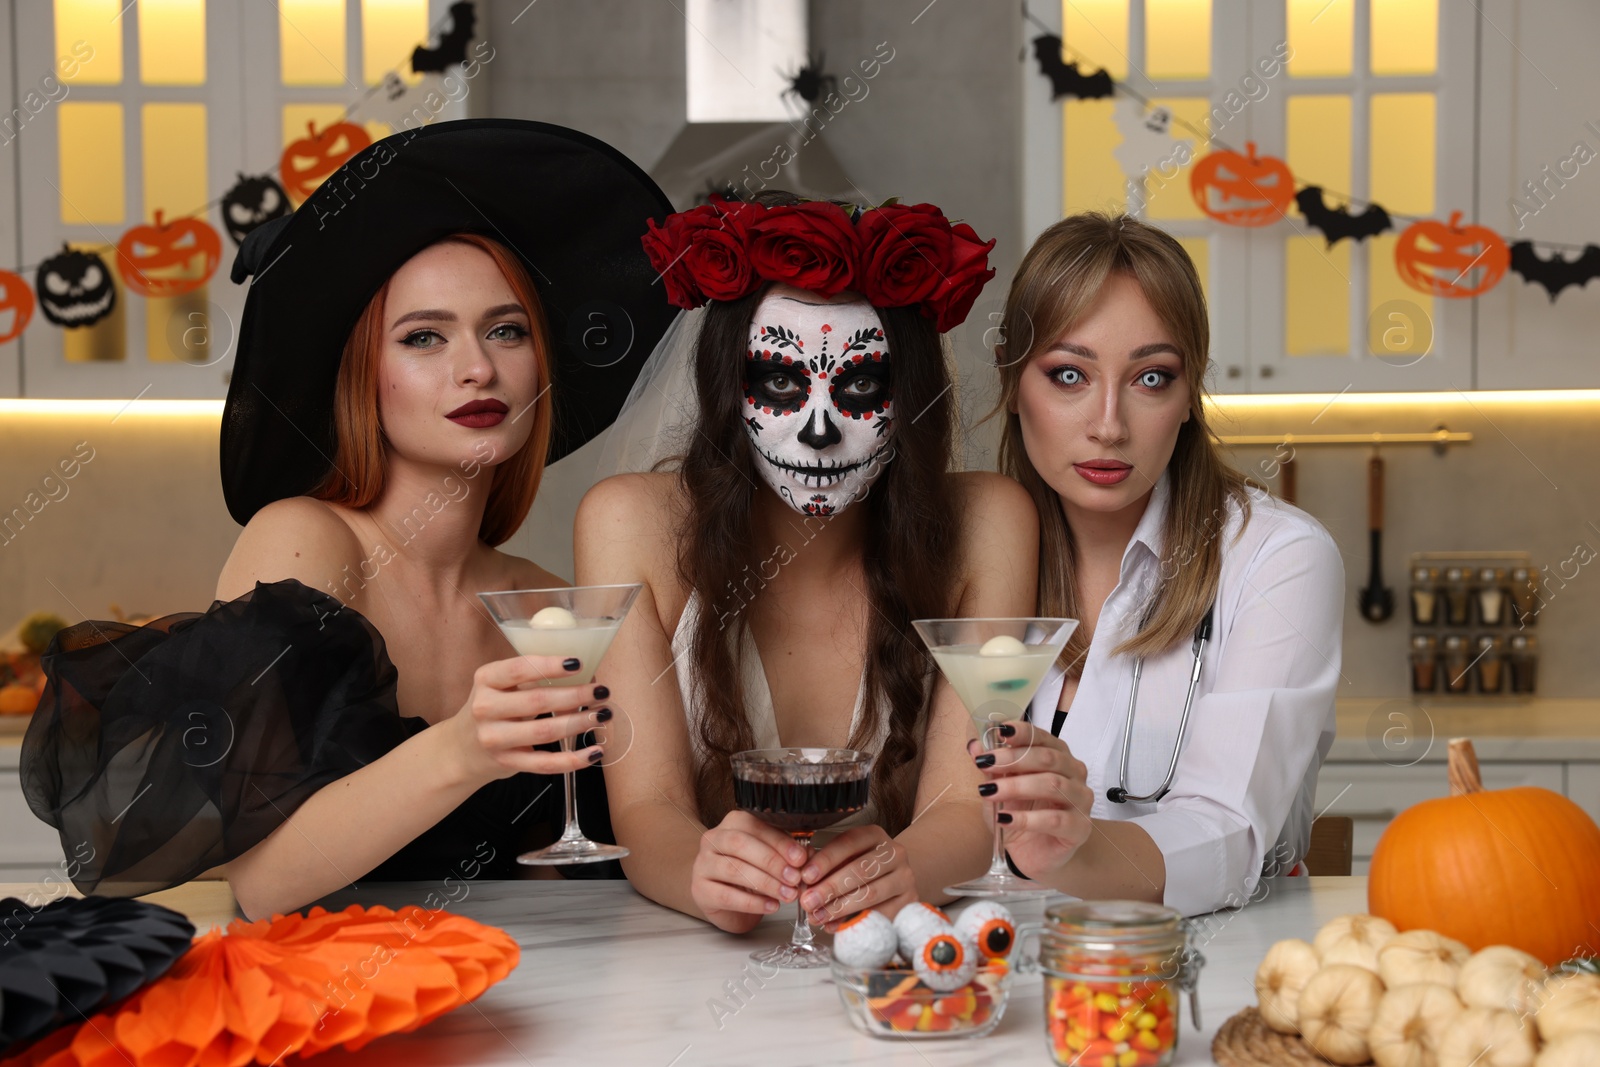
x=1472, y=621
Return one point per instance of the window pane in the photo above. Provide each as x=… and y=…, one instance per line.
x=106, y=340
x=1403, y=152
x=1097, y=31
x=1317, y=312
x=390, y=29
x=1092, y=179
x=172, y=42
x=1319, y=143
x=1177, y=38
x=1321, y=36
x=1167, y=184
x=311, y=41
x=1199, y=249
x=90, y=28
x=91, y=163
x=174, y=159
x=1404, y=328
x=1405, y=36
x=176, y=328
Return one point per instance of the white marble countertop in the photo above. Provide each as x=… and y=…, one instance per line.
x=608, y=977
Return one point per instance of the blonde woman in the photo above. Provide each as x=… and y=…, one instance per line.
x=1178, y=570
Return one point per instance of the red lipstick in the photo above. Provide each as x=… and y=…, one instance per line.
x=478, y=414
x=1103, y=471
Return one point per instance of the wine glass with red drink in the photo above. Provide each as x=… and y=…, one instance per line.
x=800, y=791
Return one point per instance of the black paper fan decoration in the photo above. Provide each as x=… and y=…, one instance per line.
x=62, y=962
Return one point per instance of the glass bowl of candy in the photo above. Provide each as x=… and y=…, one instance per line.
x=894, y=1002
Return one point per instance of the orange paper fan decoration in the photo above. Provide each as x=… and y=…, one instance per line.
x=297, y=984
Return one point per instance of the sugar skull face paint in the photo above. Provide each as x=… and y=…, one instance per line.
x=818, y=398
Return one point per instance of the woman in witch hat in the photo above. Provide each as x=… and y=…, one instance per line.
x=451, y=310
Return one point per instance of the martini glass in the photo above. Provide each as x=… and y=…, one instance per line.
x=995, y=666
x=577, y=621
x=800, y=791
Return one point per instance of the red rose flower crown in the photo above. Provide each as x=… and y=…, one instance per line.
x=896, y=255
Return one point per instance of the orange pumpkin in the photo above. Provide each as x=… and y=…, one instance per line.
x=168, y=258
x=1242, y=190
x=18, y=699
x=16, y=305
x=1441, y=257
x=1517, y=867
x=309, y=160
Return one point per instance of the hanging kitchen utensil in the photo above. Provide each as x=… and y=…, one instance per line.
x=1286, y=481
x=1377, y=602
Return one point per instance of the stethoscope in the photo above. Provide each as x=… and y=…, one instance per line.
x=1118, y=794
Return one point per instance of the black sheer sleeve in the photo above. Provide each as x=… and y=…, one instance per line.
x=162, y=750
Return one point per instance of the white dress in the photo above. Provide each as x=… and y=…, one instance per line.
x=758, y=703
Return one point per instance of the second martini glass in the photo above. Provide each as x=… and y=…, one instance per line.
x=995, y=666
x=576, y=621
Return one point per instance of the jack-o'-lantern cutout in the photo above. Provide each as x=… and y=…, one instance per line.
x=168, y=258
x=1242, y=190
x=75, y=288
x=1449, y=259
x=307, y=161
x=252, y=202
x=16, y=305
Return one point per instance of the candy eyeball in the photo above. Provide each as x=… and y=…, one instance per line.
x=553, y=617
x=915, y=924
x=867, y=940
x=989, y=926
x=944, y=963
x=1003, y=645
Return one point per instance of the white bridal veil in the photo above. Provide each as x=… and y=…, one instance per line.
x=660, y=411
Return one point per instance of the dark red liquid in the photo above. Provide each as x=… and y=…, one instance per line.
x=801, y=808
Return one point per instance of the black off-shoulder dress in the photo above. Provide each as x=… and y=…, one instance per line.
x=162, y=750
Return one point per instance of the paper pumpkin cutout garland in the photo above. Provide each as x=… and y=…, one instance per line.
x=310, y=159
x=168, y=258
x=77, y=955
x=1337, y=223
x=1444, y=258
x=292, y=985
x=251, y=202
x=1557, y=272
x=16, y=305
x=74, y=288
x=1242, y=190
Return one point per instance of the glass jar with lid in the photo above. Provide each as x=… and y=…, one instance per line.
x=1113, y=970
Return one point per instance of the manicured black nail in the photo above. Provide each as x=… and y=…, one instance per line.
x=988, y=789
x=596, y=756
x=1003, y=817
x=601, y=692
x=985, y=760
x=571, y=663
x=1007, y=730
x=603, y=715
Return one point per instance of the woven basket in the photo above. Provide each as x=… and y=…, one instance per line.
x=1247, y=1041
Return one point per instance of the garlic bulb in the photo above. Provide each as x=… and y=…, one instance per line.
x=1486, y=1037
x=1336, y=1009
x=1410, y=1023
x=1282, y=975
x=1503, y=977
x=1353, y=939
x=1421, y=956
x=1569, y=1004
x=1581, y=1049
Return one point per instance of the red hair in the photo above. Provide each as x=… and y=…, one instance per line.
x=356, y=477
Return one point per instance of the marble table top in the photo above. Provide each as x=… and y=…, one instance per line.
x=608, y=977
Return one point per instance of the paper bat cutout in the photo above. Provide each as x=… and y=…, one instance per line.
x=1065, y=78
x=1557, y=272
x=452, y=48
x=1336, y=223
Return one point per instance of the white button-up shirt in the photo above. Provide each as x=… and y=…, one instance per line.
x=1262, y=720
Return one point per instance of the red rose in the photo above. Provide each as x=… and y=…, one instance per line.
x=665, y=245
x=811, y=246
x=905, y=249
x=964, y=279
x=716, y=237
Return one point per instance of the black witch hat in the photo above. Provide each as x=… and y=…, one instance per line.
x=572, y=207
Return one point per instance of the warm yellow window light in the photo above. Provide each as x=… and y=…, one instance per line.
x=90, y=156
x=1177, y=39
x=83, y=25
x=390, y=29
x=311, y=42
x=1167, y=185
x=1402, y=152
x=1321, y=37
x=1095, y=33
x=1317, y=278
x=174, y=184
x=172, y=42
x=1405, y=36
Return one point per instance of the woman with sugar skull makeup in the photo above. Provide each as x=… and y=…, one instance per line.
x=811, y=516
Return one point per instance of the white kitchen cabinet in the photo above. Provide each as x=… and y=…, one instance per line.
x=1372, y=794
x=30, y=850
x=1583, y=787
